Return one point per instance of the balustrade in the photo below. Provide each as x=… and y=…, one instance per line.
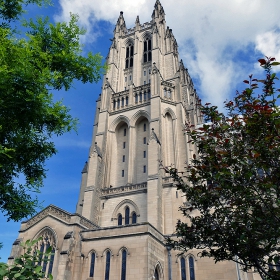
x=141, y=95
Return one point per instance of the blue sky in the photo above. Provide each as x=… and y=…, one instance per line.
x=219, y=42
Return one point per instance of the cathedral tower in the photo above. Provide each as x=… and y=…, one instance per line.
x=147, y=96
x=127, y=204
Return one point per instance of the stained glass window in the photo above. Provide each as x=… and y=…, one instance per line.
x=134, y=218
x=147, y=50
x=129, y=56
x=120, y=220
x=183, y=269
x=124, y=255
x=126, y=215
x=107, y=267
x=191, y=267
x=47, y=241
x=92, y=263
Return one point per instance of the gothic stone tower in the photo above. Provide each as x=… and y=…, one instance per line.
x=146, y=98
x=127, y=204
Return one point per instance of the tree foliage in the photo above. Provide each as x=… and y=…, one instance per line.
x=47, y=57
x=232, y=184
x=11, y=10
x=27, y=266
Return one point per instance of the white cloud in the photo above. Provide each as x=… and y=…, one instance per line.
x=269, y=43
x=211, y=34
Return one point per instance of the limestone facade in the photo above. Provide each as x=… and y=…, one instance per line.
x=127, y=203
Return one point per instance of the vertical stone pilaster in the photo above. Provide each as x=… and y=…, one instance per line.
x=131, y=159
x=154, y=188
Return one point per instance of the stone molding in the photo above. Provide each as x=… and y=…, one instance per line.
x=60, y=215
x=119, y=191
x=50, y=210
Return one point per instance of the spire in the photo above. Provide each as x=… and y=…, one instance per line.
x=181, y=66
x=137, y=23
x=158, y=11
x=121, y=19
x=157, y=4
x=120, y=26
x=168, y=32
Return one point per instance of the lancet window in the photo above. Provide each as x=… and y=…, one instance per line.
x=191, y=268
x=126, y=219
x=147, y=50
x=119, y=219
x=92, y=264
x=124, y=256
x=129, y=56
x=107, y=267
x=183, y=268
x=134, y=218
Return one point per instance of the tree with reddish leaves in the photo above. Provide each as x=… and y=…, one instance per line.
x=232, y=185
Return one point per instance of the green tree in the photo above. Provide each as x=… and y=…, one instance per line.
x=47, y=57
x=27, y=266
x=232, y=184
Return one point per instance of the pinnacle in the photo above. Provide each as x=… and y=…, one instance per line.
x=121, y=15
x=157, y=2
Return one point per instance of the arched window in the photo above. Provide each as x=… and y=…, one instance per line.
x=122, y=102
x=147, y=50
x=156, y=274
x=191, y=268
x=92, y=263
x=129, y=56
x=145, y=96
x=119, y=103
x=114, y=104
x=119, y=219
x=124, y=255
x=140, y=96
x=134, y=218
x=126, y=219
x=47, y=241
x=149, y=94
x=107, y=267
x=165, y=92
x=136, y=98
x=183, y=269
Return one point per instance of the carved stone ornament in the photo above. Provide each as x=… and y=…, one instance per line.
x=50, y=210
